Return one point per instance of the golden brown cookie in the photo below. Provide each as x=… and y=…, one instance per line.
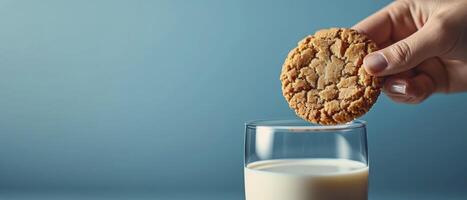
x=323, y=79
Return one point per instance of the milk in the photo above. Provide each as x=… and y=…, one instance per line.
x=306, y=179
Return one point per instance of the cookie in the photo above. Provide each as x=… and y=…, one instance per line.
x=323, y=79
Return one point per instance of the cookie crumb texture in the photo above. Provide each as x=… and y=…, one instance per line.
x=323, y=79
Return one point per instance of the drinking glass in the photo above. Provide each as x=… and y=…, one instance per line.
x=297, y=160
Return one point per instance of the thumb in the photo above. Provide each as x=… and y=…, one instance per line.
x=404, y=54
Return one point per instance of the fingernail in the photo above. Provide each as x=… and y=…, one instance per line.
x=398, y=88
x=375, y=62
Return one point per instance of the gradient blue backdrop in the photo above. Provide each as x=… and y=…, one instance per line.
x=133, y=95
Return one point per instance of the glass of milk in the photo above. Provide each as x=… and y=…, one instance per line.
x=297, y=160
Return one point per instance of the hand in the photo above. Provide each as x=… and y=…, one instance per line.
x=423, y=48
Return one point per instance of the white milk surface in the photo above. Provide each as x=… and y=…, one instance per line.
x=306, y=179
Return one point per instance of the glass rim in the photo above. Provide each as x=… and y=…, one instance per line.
x=281, y=125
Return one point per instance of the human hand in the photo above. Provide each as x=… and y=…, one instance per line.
x=424, y=48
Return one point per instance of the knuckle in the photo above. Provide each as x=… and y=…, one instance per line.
x=400, y=53
x=400, y=6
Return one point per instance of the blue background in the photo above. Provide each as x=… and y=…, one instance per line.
x=152, y=96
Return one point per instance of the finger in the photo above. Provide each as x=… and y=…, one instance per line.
x=410, y=90
x=397, y=83
x=377, y=26
x=398, y=99
x=404, y=54
x=457, y=76
x=434, y=68
x=420, y=87
x=394, y=85
x=404, y=75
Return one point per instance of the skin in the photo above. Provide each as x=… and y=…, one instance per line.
x=424, y=48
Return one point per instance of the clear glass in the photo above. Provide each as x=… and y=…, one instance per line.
x=297, y=160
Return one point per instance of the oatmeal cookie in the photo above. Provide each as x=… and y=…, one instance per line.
x=323, y=79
